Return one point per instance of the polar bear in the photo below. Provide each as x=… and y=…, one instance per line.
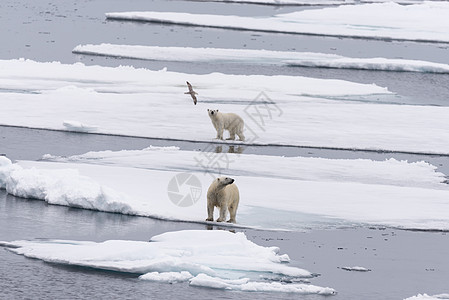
x=227, y=121
x=224, y=194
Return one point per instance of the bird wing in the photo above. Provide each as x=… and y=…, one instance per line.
x=190, y=87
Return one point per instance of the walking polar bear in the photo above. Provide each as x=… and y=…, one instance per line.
x=224, y=194
x=227, y=121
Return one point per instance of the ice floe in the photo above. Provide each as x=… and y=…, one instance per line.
x=332, y=195
x=308, y=2
x=216, y=259
x=388, y=172
x=278, y=110
x=78, y=127
x=428, y=297
x=265, y=57
x=425, y=22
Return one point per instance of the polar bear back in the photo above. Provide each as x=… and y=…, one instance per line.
x=232, y=121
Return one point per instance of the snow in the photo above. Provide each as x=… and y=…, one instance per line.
x=245, y=285
x=169, y=277
x=425, y=21
x=210, y=255
x=221, y=55
x=309, y=192
x=427, y=297
x=78, y=127
x=388, y=172
x=278, y=110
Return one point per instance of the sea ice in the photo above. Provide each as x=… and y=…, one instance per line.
x=387, y=172
x=332, y=195
x=428, y=297
x=310, y=2
x=278, y=110
x=265, y=57
x=425, y=21
x=78, y=126
x=209, y=256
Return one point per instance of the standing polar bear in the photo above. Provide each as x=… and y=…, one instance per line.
x=224, y=194
x=227, y=121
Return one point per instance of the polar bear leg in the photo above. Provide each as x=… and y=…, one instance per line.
x=222, y=214
x=240, y=132
x=232, y=212
x=231, y=135
x=210, y=212
x=220, y=133
x=241, y=136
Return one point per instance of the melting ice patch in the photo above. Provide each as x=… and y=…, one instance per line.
x=217, y=259
x=420, y=22
x=300, y=59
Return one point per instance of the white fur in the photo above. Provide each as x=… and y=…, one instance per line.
x=224, y=194
x=227, y=121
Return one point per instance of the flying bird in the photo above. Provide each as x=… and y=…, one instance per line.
x=191, y=92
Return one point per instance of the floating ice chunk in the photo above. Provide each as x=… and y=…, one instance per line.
x=218, y=259
x=388, y=172
x=170, y=277
x=391, y=193
x=420, y=22
x=5, y=165
x=4, y=162
x=428, y=297
x=246, y=285
x=220, y=55
x=310, y=2
x=62, y=187
x=78, y=126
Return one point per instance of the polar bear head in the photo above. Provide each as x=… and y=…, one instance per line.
x=212, y=112
x=224, y=180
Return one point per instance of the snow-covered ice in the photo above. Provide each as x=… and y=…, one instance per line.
x=308, y=192
x=207, y=258
x=425, y=22
x=170, y=277
x=428, y=297
x=78, y=127
x=265, y=57
x=246, y=285
x=308, y=2
x=292, y=110
x=388, y=172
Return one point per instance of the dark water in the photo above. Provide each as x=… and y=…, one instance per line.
x=403, y=263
